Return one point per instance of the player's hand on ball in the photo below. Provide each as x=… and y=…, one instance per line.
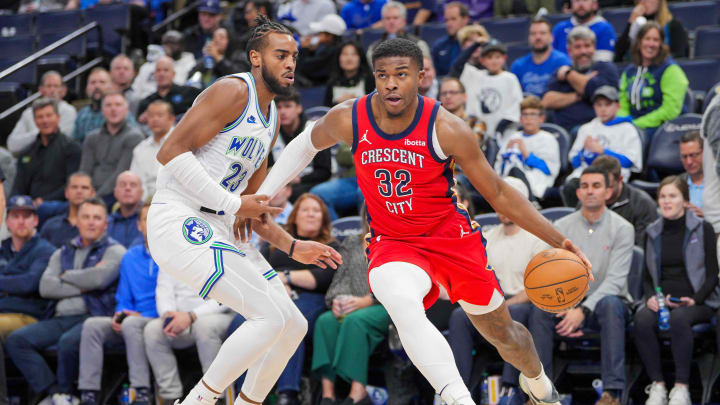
x=255, y=205
x=323, y=256
x=568, y=245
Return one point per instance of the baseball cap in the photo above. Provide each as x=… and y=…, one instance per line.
x=210, y=6
x=493, y=48
x=518, y=185
x=22, y=202
x=609, y=92
x=330, y=23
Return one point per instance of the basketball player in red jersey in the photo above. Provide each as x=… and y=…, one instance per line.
x=404, y=146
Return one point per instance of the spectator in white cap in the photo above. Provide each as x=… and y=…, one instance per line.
x=319, y=49
x=300, y=14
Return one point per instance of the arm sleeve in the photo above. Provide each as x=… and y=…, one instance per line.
x=72, y=163
x=164, y=295
x=618, y=266
x=624, y=110
x=142, y=106
x=123, y=296
x=679, y=44
x=27, y=282
x=711, y=264
x=123, y=164
x=607, y=76
x=550, y=154
x=24, y=133
x=100, y=276
x=67, y=120
x=87, y=161
x=537, y=163
x=648, y=288
x=208, y=307
x=51, y=286
x=623, y=44
x=575, y=153
x=323, y=277
x=606, y=43
x=624, y=160
x=20, y=185
x=461, y=60
x=647, y=214
x=673, y=84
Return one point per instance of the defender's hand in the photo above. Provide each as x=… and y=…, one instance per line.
x=309, y=252
x=568, y=245
x=255, y=205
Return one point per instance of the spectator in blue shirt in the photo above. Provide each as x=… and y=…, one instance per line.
x=585, y=14
x=535, y=69
x=571, y=88
x=61, y=228
x=691, y=151
x=23, y=258
x=447, y=48
x=362, y=13
x=123, y=223
x=135, y=308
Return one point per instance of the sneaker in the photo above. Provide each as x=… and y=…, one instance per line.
x=64, y=399
x=607, y=399
x=657, y=394
x=88, y=398
x=45, y=401
x=679, y=395
x=554, y=398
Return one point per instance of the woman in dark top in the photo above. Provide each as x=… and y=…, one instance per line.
x=307, y=285
x=681, y=259
x=350, y=77
x=653, y=10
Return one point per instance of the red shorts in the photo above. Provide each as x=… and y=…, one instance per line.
x=452, y=254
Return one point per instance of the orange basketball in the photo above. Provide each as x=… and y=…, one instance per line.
x=556, y=280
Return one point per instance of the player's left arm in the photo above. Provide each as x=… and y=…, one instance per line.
x=457, y=140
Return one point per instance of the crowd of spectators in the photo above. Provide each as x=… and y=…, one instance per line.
x=76, y=274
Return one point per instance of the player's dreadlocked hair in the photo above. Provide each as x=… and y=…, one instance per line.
x=263, y=27
x=398, y=47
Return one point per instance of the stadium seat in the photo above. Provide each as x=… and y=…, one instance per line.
x=555, y=213
x=17, y=47
x=491, y=151
x=59, y=63
x=10, y=94
x=564, y=141
x=350, y=35
x=702, y=73
x=16, y=24
x=314, y=113
x=58, y=21
x=432, y=32
x=714, y=90
x=487, y=221
x=26, y=75
x=343, y=227
x=707, y=42
x=649, y=187
x=312, y=96
x=115, y=22
x=370, y=36
x=693, y=14
x=517, y=50
x=75, y=47
x=512, y=29
x=664, y=154
x=635, y=276
x=556, y=18
x=617, y=17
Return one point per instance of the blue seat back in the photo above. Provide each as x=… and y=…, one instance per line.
x=347, y=226
x=707, y=42
x=315, y=113
x=16, y=24
x=649, y=187
x=511, y=29
x=487, y=221
x=693, y=14
x=563, y=139
x=635, y=276
x=370, y=36
x=26, y=75
x=312, y=97
x=491, y=151
x=517, y=50
x=432, y=32
x=664, y=153
x=714, y=90
x=58, y=21
x=75, y=47
x=556, y=18
x=701, y=73
x=555, y=213
x=115, y=22
x=617, y=17
x=17, y=47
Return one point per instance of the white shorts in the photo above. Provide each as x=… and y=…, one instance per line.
x=189, y=244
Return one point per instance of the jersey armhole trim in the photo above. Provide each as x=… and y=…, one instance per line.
x=432, y=140
x=239, y=119
x=355, y=126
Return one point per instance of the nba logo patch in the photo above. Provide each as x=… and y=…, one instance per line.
x=196, y=231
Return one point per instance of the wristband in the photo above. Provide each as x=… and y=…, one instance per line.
x=287, y=276
x=292, y=248
x=567, y=74
x=193, y=317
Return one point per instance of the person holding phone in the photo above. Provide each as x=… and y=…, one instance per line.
x=681, y=259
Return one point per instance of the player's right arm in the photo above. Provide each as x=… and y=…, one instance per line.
x=214, y=108
x=334, y=127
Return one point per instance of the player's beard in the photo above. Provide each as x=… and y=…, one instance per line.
x=274, y=85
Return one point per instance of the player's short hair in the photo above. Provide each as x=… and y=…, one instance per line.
x=293, y=95
x=264, y=27
x=692, y=136
x=678, y=182
x=97, y=201
x=597, y=170
x=398, y=47
x=532, y=102
x=608, y=164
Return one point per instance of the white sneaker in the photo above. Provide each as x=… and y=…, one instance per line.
x=657, y=394
x=64, y=399
x=553, y=400
x=679, y=395
x=46, y=401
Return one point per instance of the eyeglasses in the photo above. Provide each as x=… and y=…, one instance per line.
x=530, y=114
x=450, y=93
x=693, y=155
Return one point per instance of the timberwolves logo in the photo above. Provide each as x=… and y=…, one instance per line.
x=196, y=231
x=490, y=100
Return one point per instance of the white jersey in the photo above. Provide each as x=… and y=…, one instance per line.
x=236, y=152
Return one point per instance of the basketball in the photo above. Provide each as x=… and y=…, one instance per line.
x=556, y=280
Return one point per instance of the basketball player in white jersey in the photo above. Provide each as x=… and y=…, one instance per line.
x=216, y=153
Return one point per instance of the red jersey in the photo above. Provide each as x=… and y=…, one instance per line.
x=406, y=185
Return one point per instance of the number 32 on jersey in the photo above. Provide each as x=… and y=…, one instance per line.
x=396, y=184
